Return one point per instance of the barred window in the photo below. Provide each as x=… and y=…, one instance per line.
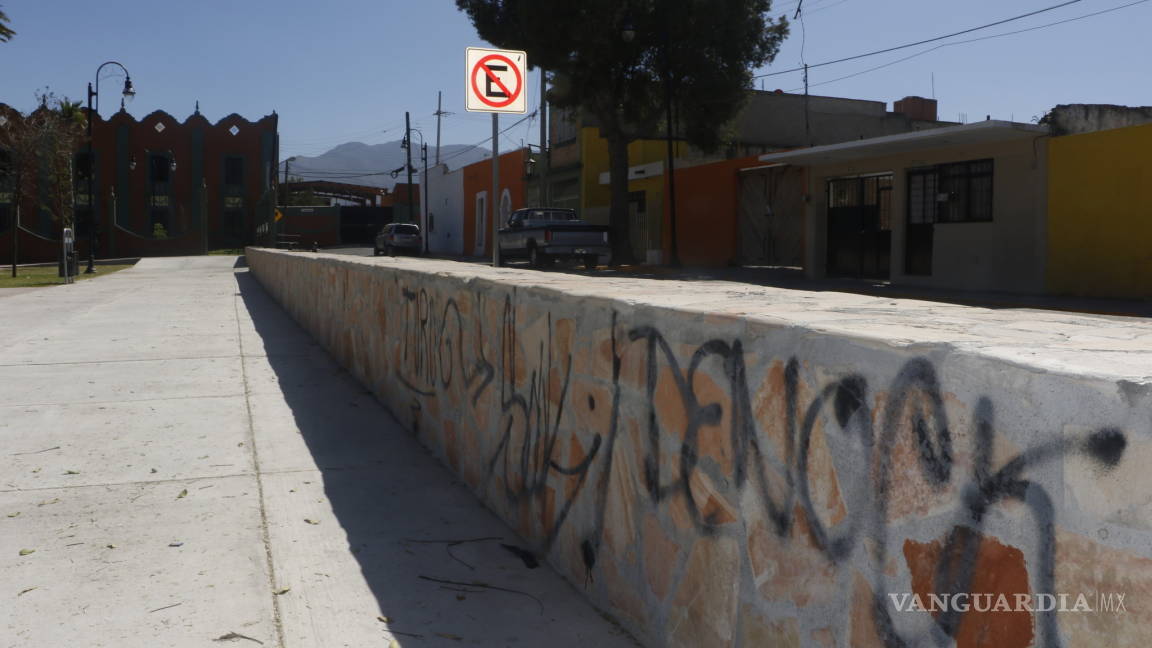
x=959, y=192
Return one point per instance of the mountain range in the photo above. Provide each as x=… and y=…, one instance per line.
x=372, y=164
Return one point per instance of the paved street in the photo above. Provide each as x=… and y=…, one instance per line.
x=181, y=466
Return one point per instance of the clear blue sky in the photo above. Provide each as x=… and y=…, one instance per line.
x=346, y=70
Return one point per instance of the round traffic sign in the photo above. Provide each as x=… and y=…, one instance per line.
x=510, y=95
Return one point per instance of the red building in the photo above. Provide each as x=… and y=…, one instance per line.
x=160, y=187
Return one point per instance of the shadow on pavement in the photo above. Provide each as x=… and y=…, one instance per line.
x=398, y=506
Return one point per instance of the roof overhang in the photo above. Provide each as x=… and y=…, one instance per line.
x=965, y=134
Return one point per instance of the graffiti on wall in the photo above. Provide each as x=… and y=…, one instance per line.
x=481, y=347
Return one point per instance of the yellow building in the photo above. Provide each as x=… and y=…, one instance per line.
x=1100, y=213
x=646, y=193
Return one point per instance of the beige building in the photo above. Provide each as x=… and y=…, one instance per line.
x=956, y=207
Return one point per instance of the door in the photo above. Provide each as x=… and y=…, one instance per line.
x=771, y=217
x=922, y=194
x=481, y=232
x=860, y=226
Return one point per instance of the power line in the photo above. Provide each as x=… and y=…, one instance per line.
x=974, y=40
x=330, y=138
x=922, y=42
x=827, y=6
x=488, y=139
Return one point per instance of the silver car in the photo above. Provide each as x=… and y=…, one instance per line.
x=399, y=237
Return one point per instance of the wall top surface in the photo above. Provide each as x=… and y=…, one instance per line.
x=1084, y=345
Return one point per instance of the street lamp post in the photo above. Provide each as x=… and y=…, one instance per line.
x=424, y=192
x=128, y=93
x=406, y=143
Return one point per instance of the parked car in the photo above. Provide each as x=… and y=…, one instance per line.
x=541, y=235
x=399, y=237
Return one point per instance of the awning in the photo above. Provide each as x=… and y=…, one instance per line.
x=965, y=134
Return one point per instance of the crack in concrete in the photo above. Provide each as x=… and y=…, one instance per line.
x=255, y=454
x=122, y=401
x=145, y=482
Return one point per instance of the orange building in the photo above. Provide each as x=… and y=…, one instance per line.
x=477, y=212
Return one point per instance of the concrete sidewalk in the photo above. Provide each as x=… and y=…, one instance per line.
x=181, y=466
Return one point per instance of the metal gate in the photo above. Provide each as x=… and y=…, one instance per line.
x=771, y=217
x=860, y=226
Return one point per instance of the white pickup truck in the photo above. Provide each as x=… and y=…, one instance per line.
x=542, y=234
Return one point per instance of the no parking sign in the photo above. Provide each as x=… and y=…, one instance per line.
x=495, y=82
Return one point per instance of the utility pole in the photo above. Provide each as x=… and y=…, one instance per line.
x=439, y=113
x=284, y=187
x=426, y=197
x=408, y=147
x=807, y=127
x=544, y=153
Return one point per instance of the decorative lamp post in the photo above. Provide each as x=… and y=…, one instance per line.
x=128, y=93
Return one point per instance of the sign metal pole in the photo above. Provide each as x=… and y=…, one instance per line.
x=494, y=200
x=495, y=84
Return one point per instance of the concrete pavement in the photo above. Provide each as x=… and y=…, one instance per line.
x=181, y=466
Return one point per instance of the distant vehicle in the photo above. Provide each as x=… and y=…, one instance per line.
x=542, y=235
x=399, y=237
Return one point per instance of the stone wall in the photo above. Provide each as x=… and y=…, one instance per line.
x=1072, y=119
x=713, y=476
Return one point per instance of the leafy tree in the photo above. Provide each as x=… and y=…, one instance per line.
x=40, y=147
x=6, y=32
x=705, y=50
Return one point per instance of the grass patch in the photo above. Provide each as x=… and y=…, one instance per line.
x=226, y=252
x=34, y=277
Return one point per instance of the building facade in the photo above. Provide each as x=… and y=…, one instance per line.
x=1100, y=213
x=479, y=207
x=159, y=187
x=445, y=209
x=962, y=207
x=742, y=196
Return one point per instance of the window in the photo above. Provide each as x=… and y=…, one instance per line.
x=161, y=168
x=82, y=172
x=960, y=192
x=564, y=126
x=160, y=175
x=233, y=170
x=160, y=195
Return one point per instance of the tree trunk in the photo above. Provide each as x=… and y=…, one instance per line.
x=618, y=212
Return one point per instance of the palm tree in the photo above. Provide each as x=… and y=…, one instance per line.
x=6, y=32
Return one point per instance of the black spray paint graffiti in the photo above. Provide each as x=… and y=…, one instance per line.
x=433, y=346
x=524, y=461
